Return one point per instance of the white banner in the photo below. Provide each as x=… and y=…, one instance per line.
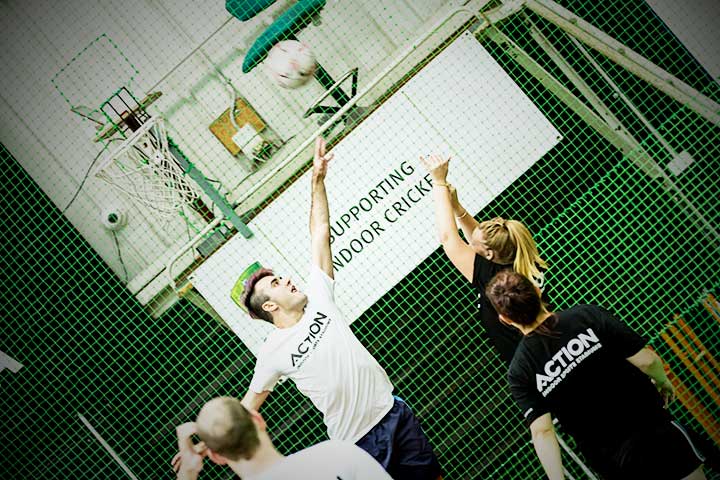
x=461, y=104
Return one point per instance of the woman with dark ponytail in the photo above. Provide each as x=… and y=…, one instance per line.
x=494, y=245
x=600, y=379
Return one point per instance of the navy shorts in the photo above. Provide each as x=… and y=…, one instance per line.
x=398, y=443
x=664, y=452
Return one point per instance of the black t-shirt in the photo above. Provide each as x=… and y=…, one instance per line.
x=581, y=376
x=503, y=337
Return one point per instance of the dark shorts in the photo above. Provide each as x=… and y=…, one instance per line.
x=664, y=453
x=398, y=443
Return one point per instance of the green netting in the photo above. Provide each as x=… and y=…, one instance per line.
x=613, y=236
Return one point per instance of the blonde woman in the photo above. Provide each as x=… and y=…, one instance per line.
x=494, y=245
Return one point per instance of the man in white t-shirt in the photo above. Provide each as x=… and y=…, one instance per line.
x=233, y=436
x=314, y=346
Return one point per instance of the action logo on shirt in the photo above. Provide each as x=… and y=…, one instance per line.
x=316, y=330
x=567, y=358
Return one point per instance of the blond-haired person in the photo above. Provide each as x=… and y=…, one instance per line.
x=237, y=437
x=493, y=245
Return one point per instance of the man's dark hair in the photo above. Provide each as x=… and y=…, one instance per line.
x=514, y=296
x=228, y=429
x=254, y=300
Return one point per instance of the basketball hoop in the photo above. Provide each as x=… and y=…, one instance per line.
x=143, y=168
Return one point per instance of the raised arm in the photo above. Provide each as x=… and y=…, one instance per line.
x=460, y=253
x=189, y=460
x=467, y=222
x=651, y=365
x=547, y=447
x=253, y=401
x=319, y=213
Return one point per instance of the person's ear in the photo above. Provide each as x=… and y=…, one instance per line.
x=216, y=458
x=490, y=254
x=270, y=306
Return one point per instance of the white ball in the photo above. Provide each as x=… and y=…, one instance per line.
x=290, y=63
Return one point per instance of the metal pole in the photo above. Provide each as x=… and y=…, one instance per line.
x=222, y=203
x=636, y=152
x=568, y=98
x=577, y=460
x=107, y=447
x=622, y=96
x=630, y=60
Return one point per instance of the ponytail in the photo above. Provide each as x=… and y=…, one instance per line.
x=511, y=242
x=527, y=258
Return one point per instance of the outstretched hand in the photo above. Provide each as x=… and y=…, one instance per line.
x=436, y=166
x=321, y=159
x=189, y=459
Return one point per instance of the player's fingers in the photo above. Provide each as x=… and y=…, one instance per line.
x=437, y=160
x=184, y=432
x=318, y=143
x=329, y=156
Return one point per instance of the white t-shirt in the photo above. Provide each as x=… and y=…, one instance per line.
x=328, y=364
x=330, y=460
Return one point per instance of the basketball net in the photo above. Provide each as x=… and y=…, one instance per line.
x=144, y=169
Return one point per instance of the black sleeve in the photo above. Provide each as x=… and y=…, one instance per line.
x=524, y=391
x=616, y=336
x=483, y=272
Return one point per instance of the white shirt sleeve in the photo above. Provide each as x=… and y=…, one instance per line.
x=264, y=379
x=320, y=286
